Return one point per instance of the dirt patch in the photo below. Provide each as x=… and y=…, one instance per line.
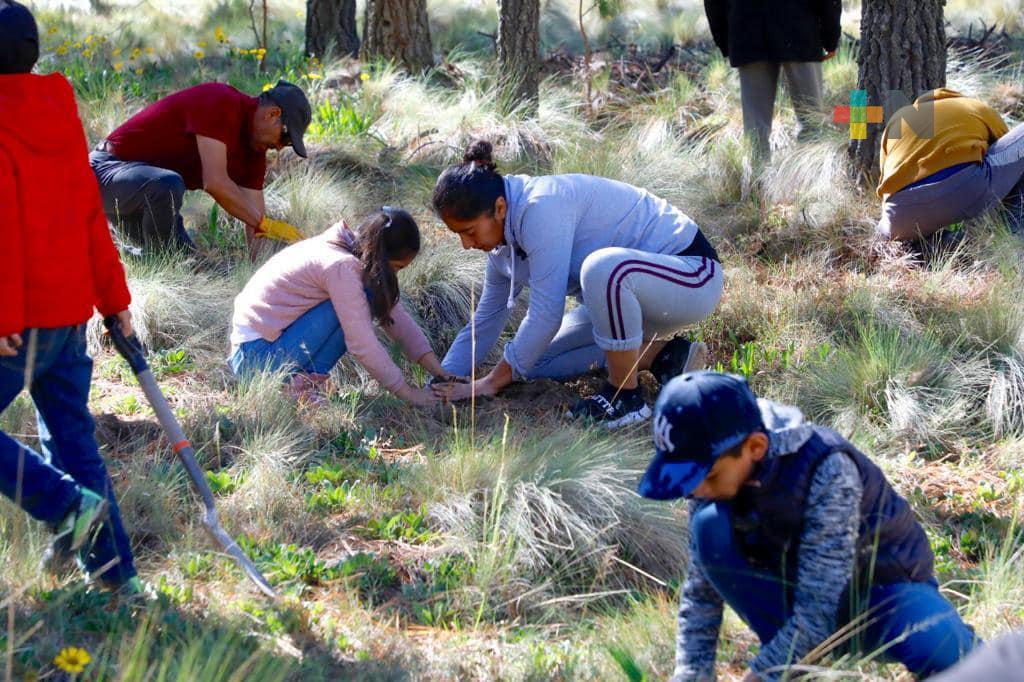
x=126, y=436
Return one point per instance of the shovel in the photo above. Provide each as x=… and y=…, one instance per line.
x=130, y=348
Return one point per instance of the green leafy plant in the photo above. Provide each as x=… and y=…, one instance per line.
x=408, y=527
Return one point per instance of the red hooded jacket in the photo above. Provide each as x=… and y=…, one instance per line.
x=58, y=261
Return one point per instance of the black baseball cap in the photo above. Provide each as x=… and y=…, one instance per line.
x=697, y=417
x=19, y=38
x=295, y=112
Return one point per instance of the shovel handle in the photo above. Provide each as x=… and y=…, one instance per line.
x=129, y=347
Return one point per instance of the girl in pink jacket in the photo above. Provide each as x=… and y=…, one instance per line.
x=317, y=300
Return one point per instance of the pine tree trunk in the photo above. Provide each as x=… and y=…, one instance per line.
x=902, y=54
x=519, y=48
x=398, y=30
x=331, y=25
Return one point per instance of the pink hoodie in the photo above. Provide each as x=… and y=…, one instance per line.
x=310, y=272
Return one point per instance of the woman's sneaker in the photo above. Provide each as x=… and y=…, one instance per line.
x=680, y=355
x=76, y=529
x=612, y=407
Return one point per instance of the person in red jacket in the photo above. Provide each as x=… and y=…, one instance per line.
x=58, y=264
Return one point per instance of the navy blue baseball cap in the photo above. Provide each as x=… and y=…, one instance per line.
x=698, y=416
x=19, y=38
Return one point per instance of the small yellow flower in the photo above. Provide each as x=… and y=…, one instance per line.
x=138, y=71
x=116, y=52
x=198, y=54
x=62, y=50
x=87, y=53
x=118, y=66
x=72, y=660
x=149, y=50
x=136, y=53
x=267, y=86
x=300, y=14
x=103, y=40
x=76, y=45
x=88, y=40
x=364, y=77
x=218, y=33
x=201, y=43
x=52, y=30
x=313, y=76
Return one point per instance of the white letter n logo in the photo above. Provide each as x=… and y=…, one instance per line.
x=663, y=434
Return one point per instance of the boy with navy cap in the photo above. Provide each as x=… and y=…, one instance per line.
x=796, y=530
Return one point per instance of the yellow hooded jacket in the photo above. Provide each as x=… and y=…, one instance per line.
x=964, y=129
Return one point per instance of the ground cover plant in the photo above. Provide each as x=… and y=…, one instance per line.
x=498, y=541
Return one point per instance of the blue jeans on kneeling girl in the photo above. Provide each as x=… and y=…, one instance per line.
x=910, y=622
x=313, y=343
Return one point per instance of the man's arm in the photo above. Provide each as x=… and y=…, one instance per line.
x=218, y=184
x=825, y=559
x=718, y=22
x=831, y=13
x=700, y=619
x=12, y=274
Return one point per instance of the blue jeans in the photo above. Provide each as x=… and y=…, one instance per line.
x=55, y=366
x=313, y=343
x=764, y=600
x=144, y=200
x=572, y=352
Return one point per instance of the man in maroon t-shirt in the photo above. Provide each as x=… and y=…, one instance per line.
x=209, y=137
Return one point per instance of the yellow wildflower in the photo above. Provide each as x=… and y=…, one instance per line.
x=62, y=50
x=198, y=54
x=116, y=52
x=313, y=76
x=149, y=50
x=118, y=66
x=52, y=30
x=267, y=86
x=364, y=77
x=138, y=71
x=201, y=43
x=103, y=39
x=89, y=39
x=136, y=53
x=261, y=52
x=76, y=45
x=72, y=660
x=87, y=53
x=218, y=33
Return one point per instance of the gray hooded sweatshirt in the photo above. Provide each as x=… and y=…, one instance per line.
x=825, y=560
x=553, y=223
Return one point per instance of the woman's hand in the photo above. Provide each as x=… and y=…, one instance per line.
x=420, y=397
x=453, y=392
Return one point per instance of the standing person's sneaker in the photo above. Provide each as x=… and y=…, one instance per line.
x=679, y=355
x=613, y=407
x=76, y=529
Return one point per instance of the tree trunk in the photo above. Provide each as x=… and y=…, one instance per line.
x=519, y=49
x=331, y=25
x=902, y=54
x=398, y=30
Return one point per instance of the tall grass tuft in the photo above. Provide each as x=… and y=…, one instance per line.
x=549, y=519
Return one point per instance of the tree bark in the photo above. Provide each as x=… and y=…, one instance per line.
x=331, y=25
x=902, y=54
x=398, y=30
x=519, y=49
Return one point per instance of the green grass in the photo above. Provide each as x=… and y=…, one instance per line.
x=505, y=543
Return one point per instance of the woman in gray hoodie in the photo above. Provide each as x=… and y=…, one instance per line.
x=640, y=268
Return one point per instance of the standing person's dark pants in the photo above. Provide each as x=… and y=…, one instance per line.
x=55, y=366
x=145, y=201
